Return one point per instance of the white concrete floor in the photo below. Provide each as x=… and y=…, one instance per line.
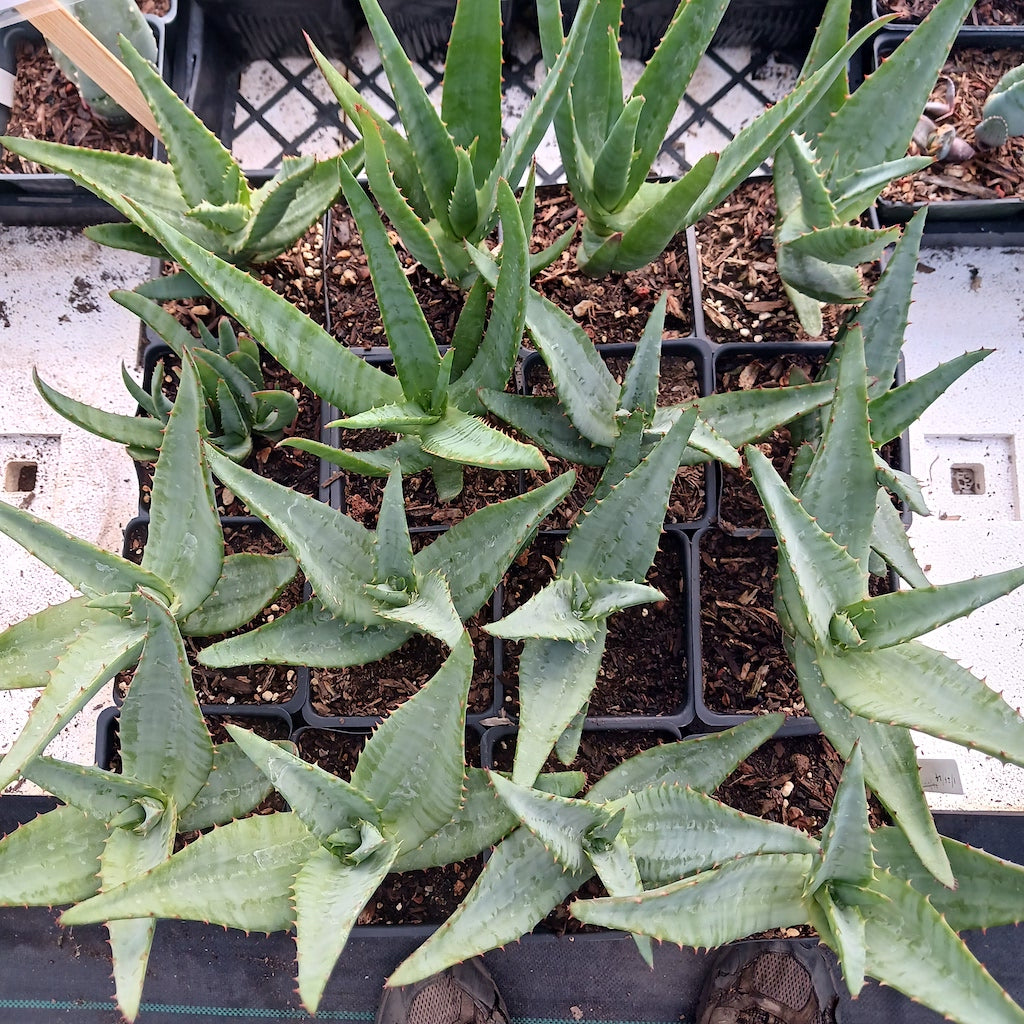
x=56, y=315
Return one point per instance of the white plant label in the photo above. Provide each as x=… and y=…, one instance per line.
x=6, y=88
x=940, y=775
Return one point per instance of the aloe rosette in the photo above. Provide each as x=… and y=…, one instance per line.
x=608, y=142
x=237, y=403
x=201, y=190
x=70, y=650
x=437, y=180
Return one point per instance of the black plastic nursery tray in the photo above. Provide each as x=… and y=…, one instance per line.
x=201, y=973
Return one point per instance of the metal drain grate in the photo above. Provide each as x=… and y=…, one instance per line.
x=285, y=108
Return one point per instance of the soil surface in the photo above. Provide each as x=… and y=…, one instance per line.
x=744, y=663
x=744, y=298
x=615, y=307
x=984, y=12
x=739, y=504
x=990, y=173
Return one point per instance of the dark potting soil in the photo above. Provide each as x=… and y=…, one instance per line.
x=643, y=671
x=427, y=896
x=46, y=106
x=740, y=504
x=744, y=662
x=744, y=299
x=615, y=307
x=377, y=688
x=990, y=173
x=246, y=684
x=354, y=311
x=687, y=500
x=984, y=12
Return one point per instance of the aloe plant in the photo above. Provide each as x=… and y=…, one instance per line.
x=433, y=401
x=438, y=183
x=106, y=20
x=645, y=822
x=70, y=650
x=372, y=592
x=116, y=827
x=1003, y=112
x=201, y=190
x=874, y=909
x=407, y=805
x=863, y=674
x=237, y=404
x=608, y=143
x=842, y=154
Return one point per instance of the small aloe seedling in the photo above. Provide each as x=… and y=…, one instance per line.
x=237, y=403
x=842, y=154
x=116, y=827
x=72, y=649
x=438, y=183
x=201, y=191
x=433, y=401
x=609, y=143
x=372, y=592
x=1003, y=113
x=864, y=893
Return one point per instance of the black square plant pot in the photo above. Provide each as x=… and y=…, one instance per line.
x=54, y=199
x=972, y=220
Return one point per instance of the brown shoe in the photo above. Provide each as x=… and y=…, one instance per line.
x=774, y=982
x=463, y=994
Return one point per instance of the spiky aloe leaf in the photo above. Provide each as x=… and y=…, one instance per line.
x=890, y=619
x=519, y=884
x=394, y=545
x=460, y=438
x=86, y=567
x=989, y=891
x=248, y=583
x=702, y=763
x=915, y=686
x=32, y=648
x=328, y=898
x=52, y=860
x=615, y=865
x=134, y=431
x=713, y=907
x=239, y=876
x=164, y=741
x=415, y=352
x=612, y=165
x=890, y=761
x=431, y=611
x=847, y=934
x=481, y=821
x=896, y=409
x=564, y=825
x=412, y=766
x=232, y=789
x=327, y=805
x=618, y=537
x=331, y=370
x=827, y=576
x=185, y=545
x=913, y=950
x=674, y=831
x=204, y=170
x=889, y=539
x=901, y=485
x=846, y=844
x=129, y=855
x=556, y=678
x=741, y=417
x=90, y=659
x=334, y=550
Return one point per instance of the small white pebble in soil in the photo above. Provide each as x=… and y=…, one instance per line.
x=744, y=332
x=786, y=788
